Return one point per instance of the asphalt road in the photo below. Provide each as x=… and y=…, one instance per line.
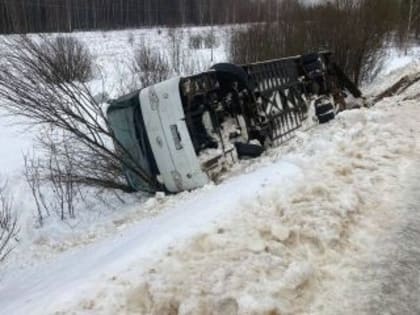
x=395, y=272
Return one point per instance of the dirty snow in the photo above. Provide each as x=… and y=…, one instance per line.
x=275, y=257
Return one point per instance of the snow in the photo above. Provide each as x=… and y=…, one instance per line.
x=140, y=242
x=113, y=53
x=277, y=235
x=395, y=59
x=379, y=266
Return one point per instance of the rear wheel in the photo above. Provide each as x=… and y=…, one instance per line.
x=323, y=119
x=324, y=110
x=227, y=73
x=248, y=150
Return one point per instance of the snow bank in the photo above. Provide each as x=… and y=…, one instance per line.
x=265, y=242
x=396, y=66
x=378, y=272
x=79, y=271
x=271, y=258
x=396, y=59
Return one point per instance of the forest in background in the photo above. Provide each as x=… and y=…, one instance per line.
x=34, y=16
x=23, y=16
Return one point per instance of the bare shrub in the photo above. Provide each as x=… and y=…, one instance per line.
x=65, y=59
x=52, y=181
x=151, y=65
x=8, y=223
x=254, y=43
x=408, y=29
x=176, y=52
x=68, y=110
x=192, y=65
x=210, y=40
x=130, y=39
x=195, y=41
x=61, y=172
x=360, y=31
x=182, y=61
x=354, y=31
x=32, y=173
x=206, y=40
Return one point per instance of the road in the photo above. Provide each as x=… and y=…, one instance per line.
x=384, y=276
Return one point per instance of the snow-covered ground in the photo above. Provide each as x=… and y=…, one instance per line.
x=396, y=59
x=113, y=56
x=282, y=237
x=279, y=235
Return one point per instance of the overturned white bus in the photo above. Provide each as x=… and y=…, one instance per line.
x=177, y=133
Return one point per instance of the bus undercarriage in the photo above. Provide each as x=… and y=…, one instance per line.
x=177, y=134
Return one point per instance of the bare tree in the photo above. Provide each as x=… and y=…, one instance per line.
x=60, y=171
x=53, y=175
x=412, y=18
x=32, y=173
x=176, y=52
x=357, y=38
x=68, y=108
x=64, y=15
x=201, y=11
x=8, y=223
x=68, y=58
x=151, y=65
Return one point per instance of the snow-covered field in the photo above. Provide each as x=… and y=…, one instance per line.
x=294, y=232
x=113, y=57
